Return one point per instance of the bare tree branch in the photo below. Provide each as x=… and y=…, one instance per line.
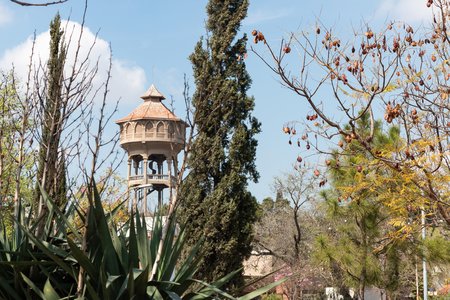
x=24, y=3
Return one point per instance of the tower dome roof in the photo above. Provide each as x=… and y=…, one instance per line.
x=152, y=108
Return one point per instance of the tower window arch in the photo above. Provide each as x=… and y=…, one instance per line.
x=160, y=130
x=128, y=129
x=139, y=130
x=171, y=130
x=149, y=129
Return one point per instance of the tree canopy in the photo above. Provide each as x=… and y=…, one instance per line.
x=215, y=202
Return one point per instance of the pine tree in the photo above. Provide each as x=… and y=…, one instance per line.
x=354, y=245
x=215, y=203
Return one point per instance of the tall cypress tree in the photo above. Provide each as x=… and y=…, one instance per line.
x=215, y=202
x=51, y=167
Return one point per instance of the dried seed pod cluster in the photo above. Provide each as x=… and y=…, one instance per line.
x=329, y=43
x=392, y=112
x=337, y=61
x=414, y=116
x=367, y=47
x=369, y=34
x=289, y=130
x=312, y=117
x=348, y=139
x=408, y=154
x=355, y=67
x=395, y=45
x=343, y=78
x=286, y=49
x=258, y=36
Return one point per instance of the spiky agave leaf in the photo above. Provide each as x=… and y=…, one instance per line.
x=116, y=263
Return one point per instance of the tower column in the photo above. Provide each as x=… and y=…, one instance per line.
x=160, y=167
x=169, y=172
x=145, y=169
x=136, y=167
x=128, y=180
x=160, y=197
x=175, y=167
x=145, y=181
x=129, y=169
x=135, y=199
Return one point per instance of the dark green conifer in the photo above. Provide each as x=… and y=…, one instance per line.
x=50, y=161
x=215, y=202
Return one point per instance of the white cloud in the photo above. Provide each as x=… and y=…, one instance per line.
x=6, y=15
x=264, y=15
x=127, y=80
x=410, y=11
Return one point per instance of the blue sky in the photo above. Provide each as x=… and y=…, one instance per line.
x=151, y=41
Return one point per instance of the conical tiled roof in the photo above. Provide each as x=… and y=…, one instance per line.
x=152, y=108
x=152, y=92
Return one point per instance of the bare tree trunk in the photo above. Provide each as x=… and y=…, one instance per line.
x=417, y=280
x=297, y=235
x=362, y=277
x=17, y=199
x=361, y=290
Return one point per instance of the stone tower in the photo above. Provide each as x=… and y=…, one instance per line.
x=152, y=136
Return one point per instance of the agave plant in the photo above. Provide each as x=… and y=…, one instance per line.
x=106, y=261
x=20, y=260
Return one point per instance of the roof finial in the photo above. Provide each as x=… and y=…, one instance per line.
x=152, y=92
